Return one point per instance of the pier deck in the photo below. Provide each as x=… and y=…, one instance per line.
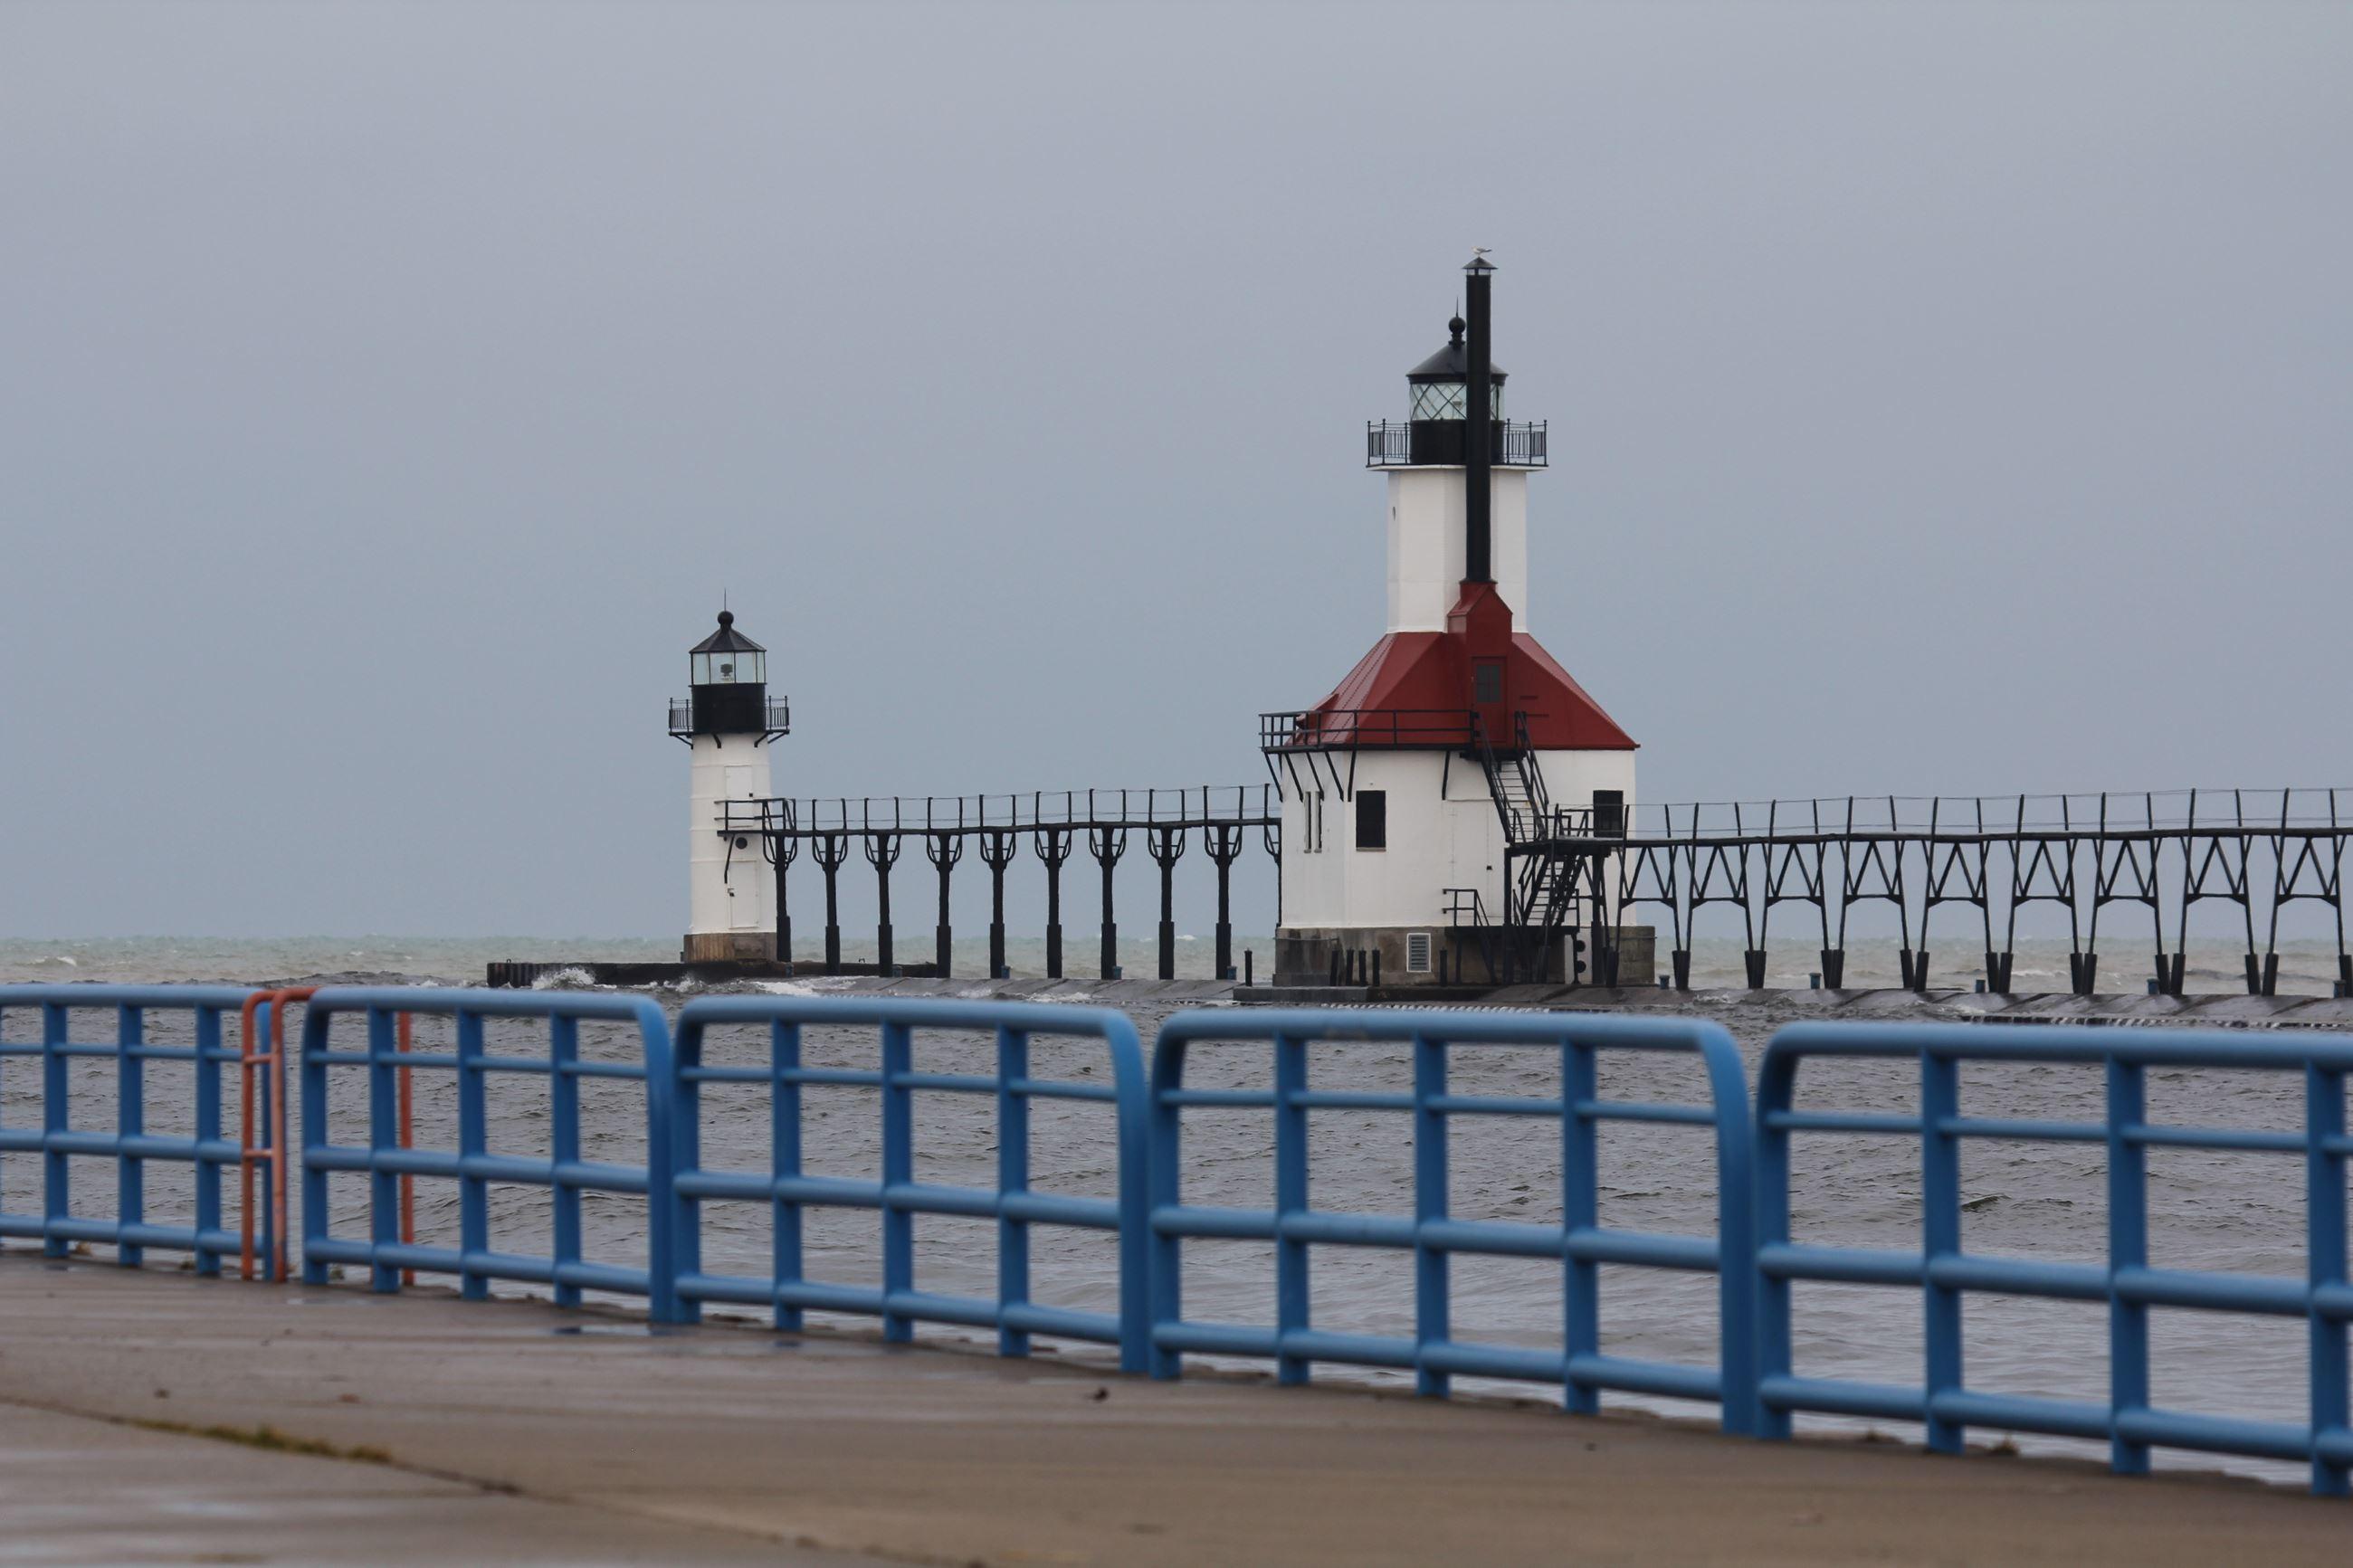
x=512, y=1432
x=2221, y=1009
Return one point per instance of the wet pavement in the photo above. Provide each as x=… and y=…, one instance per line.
x=510, y=1432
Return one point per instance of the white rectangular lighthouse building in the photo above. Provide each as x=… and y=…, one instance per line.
x=1433, y=802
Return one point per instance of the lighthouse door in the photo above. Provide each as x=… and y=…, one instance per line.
x=743, y=857
x=1487, y=698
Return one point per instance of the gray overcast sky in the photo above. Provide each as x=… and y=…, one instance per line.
x=1944, y=398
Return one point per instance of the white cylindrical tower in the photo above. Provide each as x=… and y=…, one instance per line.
x=1428, y=499
x=727, y=721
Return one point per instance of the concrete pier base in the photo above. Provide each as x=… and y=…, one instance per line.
x=2232, y=1010
x=728, y=947
x=1457, y=957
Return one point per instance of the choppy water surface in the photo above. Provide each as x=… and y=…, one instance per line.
x=2307, y=968
x=2241, y=1212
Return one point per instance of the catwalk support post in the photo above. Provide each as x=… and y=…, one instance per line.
x=830, y=850
x=1167, y=846
x=1053, y=847
x=944, y=850
x=883, y=851
x=781, y=850
x=1107, y=845
x=1224, y=843
x=998, y=848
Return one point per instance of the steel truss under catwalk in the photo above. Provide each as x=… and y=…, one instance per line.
x=2166, y=853
x=1053, y=823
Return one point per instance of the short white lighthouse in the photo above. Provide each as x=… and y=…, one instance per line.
x=1448, y=806
x=727, y=720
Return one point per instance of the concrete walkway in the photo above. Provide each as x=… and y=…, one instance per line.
x=80, y=1489
x=510, y=1432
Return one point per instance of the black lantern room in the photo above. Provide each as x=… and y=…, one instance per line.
x=1439, y=385
x=1433, y=434
x=728, y=677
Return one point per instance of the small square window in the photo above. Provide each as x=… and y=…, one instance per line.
x=1609, y=812
x=1372, y=819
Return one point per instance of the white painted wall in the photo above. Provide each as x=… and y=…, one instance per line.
x=1434, y=842
x=1426, y=532
x=1443, y=831
x=724, y=897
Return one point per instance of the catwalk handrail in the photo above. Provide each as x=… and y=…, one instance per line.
x=1969, y=819
x=1334, y=728
x=1943, y=1270
x=1944, y=819
x=1431, y=1233
x=1198, y=805
x=131, y=1145
x=790, y=1190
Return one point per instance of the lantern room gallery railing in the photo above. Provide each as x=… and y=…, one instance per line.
x=779, y=716
x=1438, y=443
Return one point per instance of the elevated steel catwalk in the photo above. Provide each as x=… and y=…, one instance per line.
x=1054, y=822
x=2167, y=852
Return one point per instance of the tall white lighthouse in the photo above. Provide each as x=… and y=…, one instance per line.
x=1447, y=804
x=727, y=720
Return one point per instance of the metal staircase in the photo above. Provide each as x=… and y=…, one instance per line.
x=1543, y=870
x=1516, y=784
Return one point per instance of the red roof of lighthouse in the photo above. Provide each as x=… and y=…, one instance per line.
x=1413, y=688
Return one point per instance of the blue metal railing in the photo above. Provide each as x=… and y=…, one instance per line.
x=1943, y=1270
x=472, y=1165
x=897, y=1195
x=1752, y=1252
x=130, y=1145
x=1580, y=1242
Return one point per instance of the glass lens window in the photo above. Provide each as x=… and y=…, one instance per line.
x=1440, y=400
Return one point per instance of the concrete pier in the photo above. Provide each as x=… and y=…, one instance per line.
x=510, y=1432
x=2218, y=1010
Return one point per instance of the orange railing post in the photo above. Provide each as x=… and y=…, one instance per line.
x=407, y=1180
x=246, y=1059
x=256, y=1056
